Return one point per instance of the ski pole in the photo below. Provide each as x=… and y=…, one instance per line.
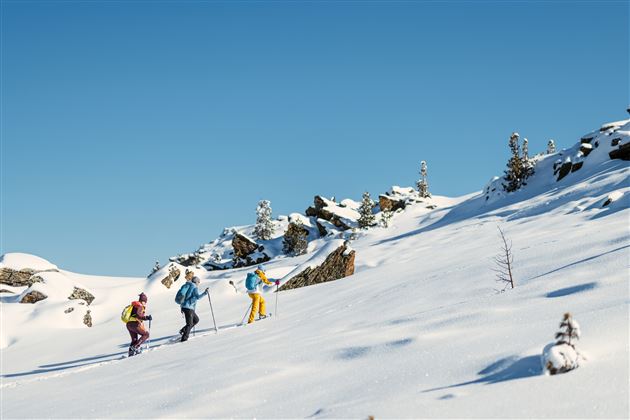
x=277, y=288
x=212, y=310
x=149, y=340
x=246, y=312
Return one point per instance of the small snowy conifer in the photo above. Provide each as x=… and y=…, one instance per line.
x=569, y=331
x=264, y=225
x=386, y=217
x=156, y=267
x=519, y=168
x=366, y=215
x=423, y=183
x=295, y=238
x=551, y=147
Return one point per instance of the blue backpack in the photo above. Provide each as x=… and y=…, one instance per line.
x=182, y=293
x=251, y=283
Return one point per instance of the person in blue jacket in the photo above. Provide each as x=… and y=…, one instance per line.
x=190, y=302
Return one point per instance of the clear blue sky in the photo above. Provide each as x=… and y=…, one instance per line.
x=134, y=131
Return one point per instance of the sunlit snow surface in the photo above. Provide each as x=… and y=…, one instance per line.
x=418, y=331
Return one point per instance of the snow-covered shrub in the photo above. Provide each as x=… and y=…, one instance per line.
x=295, y=239
x=562, y=356
x=386, y=217
x=366, y=211
x=264, y=225
x=155, y=268
x=423, y=183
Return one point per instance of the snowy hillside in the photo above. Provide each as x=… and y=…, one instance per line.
x=418, y=330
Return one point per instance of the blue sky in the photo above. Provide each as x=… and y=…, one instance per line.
x=134, y=131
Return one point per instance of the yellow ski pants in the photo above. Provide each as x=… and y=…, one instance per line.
x=258, y=305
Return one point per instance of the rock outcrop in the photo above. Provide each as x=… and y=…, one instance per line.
x=243, y=246
x=81, y=294
x=247, y=252
x=390, y=203
x=187, y=260
x=172, y=277
x=33, y=296
x=622, y=152
x=338, y=264
x=320, y=211
x=20, y=278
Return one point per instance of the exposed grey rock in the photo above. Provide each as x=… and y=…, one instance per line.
x=87, y=319
x=33, y=296
x=564, y=170
x=67, y=311
x=20, y=278
x=81, y=294
x=5, y=291
x=623, y=152
x=338, y=264
x=586, y=149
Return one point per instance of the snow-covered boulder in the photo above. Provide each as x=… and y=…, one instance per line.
x=20, y=261
x=19, y=270
x=32, y=296
x=343, y=215
x=247, y=252
x=559, y=358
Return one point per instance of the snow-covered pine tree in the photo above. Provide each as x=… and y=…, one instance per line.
x=528, y=165
x=519, y=168
x=366, y=215
x=423, y=183
x=525, y=149
x=562, y=356
x=295, y=238
x=264, y=225
x=569, y=331
x=551, y=147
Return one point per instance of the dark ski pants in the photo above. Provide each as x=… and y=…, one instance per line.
x=137, y=332
x=191, y=320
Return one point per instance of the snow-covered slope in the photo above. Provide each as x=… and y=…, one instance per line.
x=418, y=331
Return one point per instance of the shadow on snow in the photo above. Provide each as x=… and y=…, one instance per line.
x=507, y=369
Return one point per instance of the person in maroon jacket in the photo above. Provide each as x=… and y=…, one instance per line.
x=135, y=326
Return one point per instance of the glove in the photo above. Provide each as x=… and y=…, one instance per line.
x=148, y=317
x=206, y=291
x=277, y=282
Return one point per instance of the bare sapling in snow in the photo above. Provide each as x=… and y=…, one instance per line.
x=264, y=225
x=295, y=239
x=505, y=263
x=562, y=356
x=423, y=183
x=519, y=167
x=551, y=147
x=366, y=211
